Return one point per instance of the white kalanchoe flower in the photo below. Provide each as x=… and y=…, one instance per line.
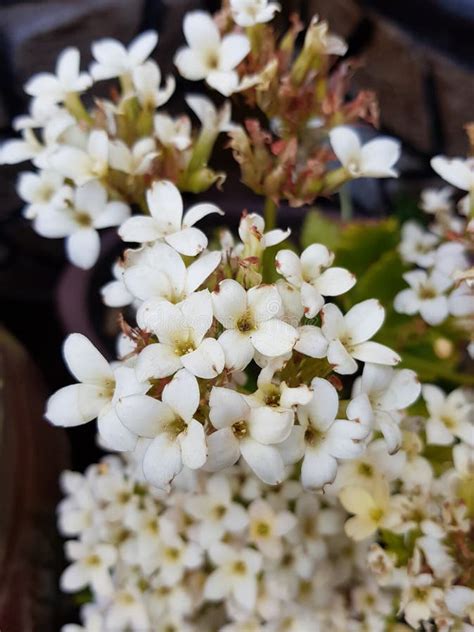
x=426, y=296
x=418, y=245
x=177, y=439
x=136, y=160
x=322, y=439
x=147, y=80
x=168, y=222
x=450, y=416
x=127, y=611
x=90, y=567
x=159, y=273
x=215, y=513
x=67, y=80
x=240, y=432
x=389, y=391
x=236, y=575
x=82, y=165
x=181, y=331
x=457, y=171
x=375, y=159
x=251, y=12
x=114, y=60
x=80, y=220
x=348, y=336
x=267, y=528
x=211, y=119
x=173, y=132
x=175, y=557
x=420, y=600
x=313, y=275
x=41, y=190
x=98, y=391
x=436, y=201
x=251, y=322
x=208, y=56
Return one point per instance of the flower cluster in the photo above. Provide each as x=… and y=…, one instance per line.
x=442, y=284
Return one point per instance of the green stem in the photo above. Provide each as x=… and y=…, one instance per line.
x=270, y=210
x=75, y=107
x=346, y=203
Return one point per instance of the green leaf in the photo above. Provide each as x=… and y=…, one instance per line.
x=382, y=280
x=433, y=370
x=318, y=229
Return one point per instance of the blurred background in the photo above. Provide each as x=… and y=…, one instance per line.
x=418, y=57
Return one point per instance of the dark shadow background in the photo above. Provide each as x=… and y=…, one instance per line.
x=418, y=54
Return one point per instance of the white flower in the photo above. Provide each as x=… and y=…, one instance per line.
x=251, y=322
x=82, y=165
x=114, y=60
x=160, y=273
x=236, y=575
x=181, y=331
x=418, y=245
x=215, y=513
x=450, y=416
x=175, y=557
x=457, y=171
x=146, y=81
x=460, y=602
x=240, y=432
x=173, y=132
x=79, y=222
x=426, y=296
x=211, y=119
x=313, y=275
x=41, y=190
x=267, y=527
x=252, y=12
x=389, y=391
x=167, y=221
x=115, y=293
x=421, y=600
x=127, y=611
x=208, y=56
x=90, y=567
x=461, y=301
x=436, y=201
x=68, y=79
x=136, y=160
x=98, y=390
x=322, y=438
x=348, y=336
x=177, y=438
x=375, y=159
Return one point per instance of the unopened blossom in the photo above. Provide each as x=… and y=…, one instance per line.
x=251, y=12
x=177, y=438
x=348, y=336
x=450, y=416
x=96, y=394
x=267, y=528
x=82, y=165
x=372, y=509
x=239, y=431
x=322, y=439
x=236, y=575
x=389, y=391
x=173, y=132
x=319, y=40
x=251, y=321
x=253, y=235
x=215, y=512
x=457, y=171
x=313, y=275
x=418, y=245
x=167, y=222
x=147, y=81
x=208, y=56
x=135, y=160
x=68, y=79
x=79, y=220
x=112, y=59
x=182, y=342
x=460, y=602
x=160, y=273
x=426, y=296
x=41, y=190
x=375, y=159
x=90, y=567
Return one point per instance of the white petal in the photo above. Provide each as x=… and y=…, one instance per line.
x=264, y=302
x=227, y=407
x=376, y=353
x=289, y=265
x=345, y=144
x=85, y=362
x=274, y=338
x=379, y=156
x=140, y=229
x=162, y=461
x=292, y=449
x=75, y=405
x=223, y=450
x=142, y=46
x=265, y=461
x=166, y=206
x=53, y=223
x=217, y=586
x=335, y=281
x=344, y=439
x=190, y=65
x=364, y=320
x=115, y=435
x=390, y=430
x=201, y=31
x=311, y=342
x=197, y=212
x=200, y=269
x=234, y=48
x=197, y=310
x=144, y=415
x=83, y=248
x=322, y=409
x=333, y=324
x=238, y=350
x=435, y=310
x=207, y=361
x=245, y=592
x=404, y=389
x=318, y=469
x=157, y=361
x=225, y=82
x=229, y=302
x=437, y=433
x=342, y=361
x=193, y=445
x=311, y=299
x=113, y=214
x=189, y=241
x=269, y=426
x=182, y=394
x=455, y=171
